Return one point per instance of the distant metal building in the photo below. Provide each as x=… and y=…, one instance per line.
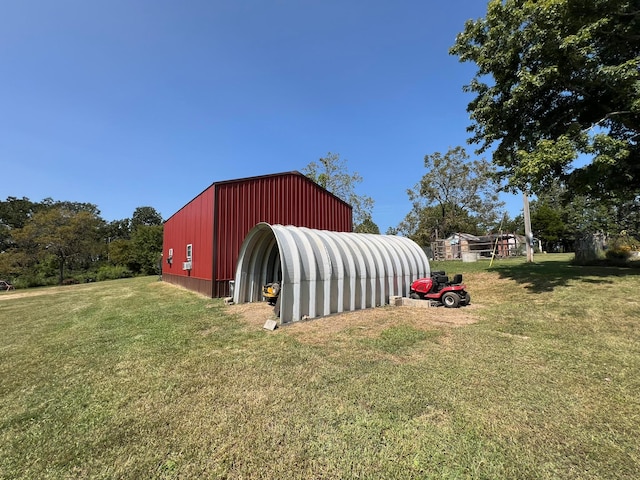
x=202, y=239
x=322, y=272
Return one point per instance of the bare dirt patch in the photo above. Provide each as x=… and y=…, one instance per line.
x=369, y=322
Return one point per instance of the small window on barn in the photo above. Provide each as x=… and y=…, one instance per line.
x=170, y=252
x=189, y=252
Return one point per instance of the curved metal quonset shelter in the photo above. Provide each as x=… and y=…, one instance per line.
x=323, y=272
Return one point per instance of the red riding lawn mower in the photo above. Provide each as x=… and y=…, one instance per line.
x=438, y=288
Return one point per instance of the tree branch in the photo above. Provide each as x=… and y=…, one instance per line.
x=605, y=118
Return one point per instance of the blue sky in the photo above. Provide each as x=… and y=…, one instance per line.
x=146, y=103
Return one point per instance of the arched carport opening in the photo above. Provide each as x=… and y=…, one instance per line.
x=323, y=272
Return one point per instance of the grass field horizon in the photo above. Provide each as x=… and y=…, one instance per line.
x=137, y=378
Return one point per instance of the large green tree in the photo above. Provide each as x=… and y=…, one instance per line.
x=556, y=79
x=63, y=234
x=136, y=243
x=549, y=219
x=424, y=224
x=331, y=172
x=548, y=226
x=118, y=230
x=145, y=216
x=146, y=247
x=456, y=194
x=14, y=213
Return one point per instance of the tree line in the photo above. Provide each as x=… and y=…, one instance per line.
x=459, y=194
x=57, y=242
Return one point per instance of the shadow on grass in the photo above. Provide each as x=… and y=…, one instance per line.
x=546, y=275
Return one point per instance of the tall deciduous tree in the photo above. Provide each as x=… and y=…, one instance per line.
x=424, y=224
x=555, y=79
x=61, y=232
x=455, y=195
x=549, y=226
x=146, y=247
x=14, y=213
x=145, y=216
x=367, y=226
x=137, y=243
x=118, y=230
x=331, y=173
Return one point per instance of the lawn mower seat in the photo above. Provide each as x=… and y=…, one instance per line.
x=457, y=279
x=439, y=281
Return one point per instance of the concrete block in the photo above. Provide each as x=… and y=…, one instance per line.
x=403, y=301
x=270, y=325
x=412, y=302
x=228, y=301
x=393, y=300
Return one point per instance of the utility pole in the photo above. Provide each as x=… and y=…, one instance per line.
x=527, y=229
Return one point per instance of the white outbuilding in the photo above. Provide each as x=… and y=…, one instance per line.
x=322, y=272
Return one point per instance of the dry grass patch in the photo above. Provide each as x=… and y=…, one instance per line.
x=393, y=334
x=16, y=294
x=370, y=321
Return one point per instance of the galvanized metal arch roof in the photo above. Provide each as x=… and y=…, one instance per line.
x=323, y=272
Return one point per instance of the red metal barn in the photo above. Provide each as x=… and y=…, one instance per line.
x=202, y=240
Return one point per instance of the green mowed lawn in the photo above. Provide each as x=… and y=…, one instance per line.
x=139, y=379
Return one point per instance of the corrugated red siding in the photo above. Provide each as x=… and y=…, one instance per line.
x=193, y=225
x=219, y=219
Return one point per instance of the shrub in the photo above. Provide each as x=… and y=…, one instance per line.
x=113, y=272
x=34, y=280
x=619, y=252
x=622, y=248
